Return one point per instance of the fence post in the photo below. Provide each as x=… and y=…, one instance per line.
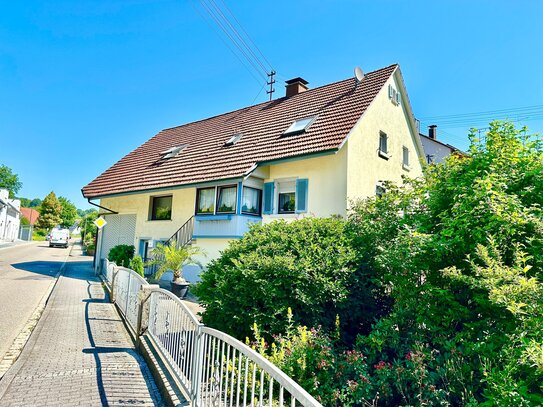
x=197, y=362
x=144, y=296
x=115, y=271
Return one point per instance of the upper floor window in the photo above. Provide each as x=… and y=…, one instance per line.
x=251, y=201
x=205, y=201
x=226, y=199
x=394, y=95
x=212, y=200
x=161, y=208
x=286, y=197
x=383, y=145
x=405, y=161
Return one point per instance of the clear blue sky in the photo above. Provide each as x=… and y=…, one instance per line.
x=83, y=82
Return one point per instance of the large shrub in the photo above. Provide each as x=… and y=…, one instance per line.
x=121, y=254
x=305, y=265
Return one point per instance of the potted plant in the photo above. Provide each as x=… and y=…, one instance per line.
x=170, y=257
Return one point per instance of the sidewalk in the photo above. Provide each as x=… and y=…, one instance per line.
x=80, y=352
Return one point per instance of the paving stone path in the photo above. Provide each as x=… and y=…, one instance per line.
x=80, y=353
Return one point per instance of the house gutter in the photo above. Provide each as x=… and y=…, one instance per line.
x=111, y=211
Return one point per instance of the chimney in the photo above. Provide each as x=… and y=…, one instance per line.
x=295, y=86
x=432, y=131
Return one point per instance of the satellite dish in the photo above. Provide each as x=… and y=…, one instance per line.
x=358, y=74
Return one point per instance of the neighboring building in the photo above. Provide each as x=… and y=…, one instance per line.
x=9, y=216
x=436, y=151
x=31, y=215
x=309, y=153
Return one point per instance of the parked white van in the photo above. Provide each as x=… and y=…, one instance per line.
x=59, y=237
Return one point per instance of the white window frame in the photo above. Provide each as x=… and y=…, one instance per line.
x=383, y=154
x=405, y=165
x=277, y=182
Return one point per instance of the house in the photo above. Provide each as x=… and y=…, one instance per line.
x=309, y=153
x=436, y=151
x=9, y=217
x=31, y=215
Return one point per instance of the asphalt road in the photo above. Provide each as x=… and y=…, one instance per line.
x=26, y=273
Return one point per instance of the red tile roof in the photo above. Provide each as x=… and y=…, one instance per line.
x=31, y=214
x=338, y=106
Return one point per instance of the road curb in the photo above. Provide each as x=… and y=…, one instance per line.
x=22, y=338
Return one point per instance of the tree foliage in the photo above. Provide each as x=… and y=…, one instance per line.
x=451, y=266
x=9, y=180
x=50, y=212
x=68, y=214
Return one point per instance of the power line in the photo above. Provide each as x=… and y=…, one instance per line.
x=226, y=44
x=247, y=35
x=486, y=113
x=229, y=35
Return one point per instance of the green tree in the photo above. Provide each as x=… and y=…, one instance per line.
x=9, y=180
x=36, y=202
x=68, y=213
x=50, y=212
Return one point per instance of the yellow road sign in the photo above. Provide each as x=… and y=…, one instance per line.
x=100, y=222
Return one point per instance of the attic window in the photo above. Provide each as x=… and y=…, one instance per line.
x=172, y=152
x=233, y=140
x=299, y=126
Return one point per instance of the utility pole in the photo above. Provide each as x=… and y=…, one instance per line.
x=271, y=81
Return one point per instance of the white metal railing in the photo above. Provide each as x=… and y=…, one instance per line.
x=213, y=368
x=231, y=373
x=126, y=293
x=175, y=330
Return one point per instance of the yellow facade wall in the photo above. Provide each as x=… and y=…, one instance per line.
x=327, y=187
x=182, y=209
x=365, y=168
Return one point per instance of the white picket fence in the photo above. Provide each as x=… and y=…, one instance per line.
x=214, y=368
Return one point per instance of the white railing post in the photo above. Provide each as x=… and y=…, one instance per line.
x=197, y=361
x=113, y=281
x=143, y=308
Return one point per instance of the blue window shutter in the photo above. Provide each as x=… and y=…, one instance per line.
x=301, y=195
x=268, y=197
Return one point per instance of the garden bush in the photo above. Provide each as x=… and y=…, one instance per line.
x=305, y=265
x=136, y=264
x=121, y=254
x=441, y=298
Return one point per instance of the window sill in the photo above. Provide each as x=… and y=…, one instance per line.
x=158, y=220
x=406, y=167
x=384, y=155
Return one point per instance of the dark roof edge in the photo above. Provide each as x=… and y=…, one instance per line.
x=315, y=154
x=440, y=142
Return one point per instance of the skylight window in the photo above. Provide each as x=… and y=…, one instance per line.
x=233, y=140
x=299, y=126
x=172, y=152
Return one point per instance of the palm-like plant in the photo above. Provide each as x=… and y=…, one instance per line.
x=170, y=257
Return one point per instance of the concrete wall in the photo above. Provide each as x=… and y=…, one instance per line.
x=365, y=168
